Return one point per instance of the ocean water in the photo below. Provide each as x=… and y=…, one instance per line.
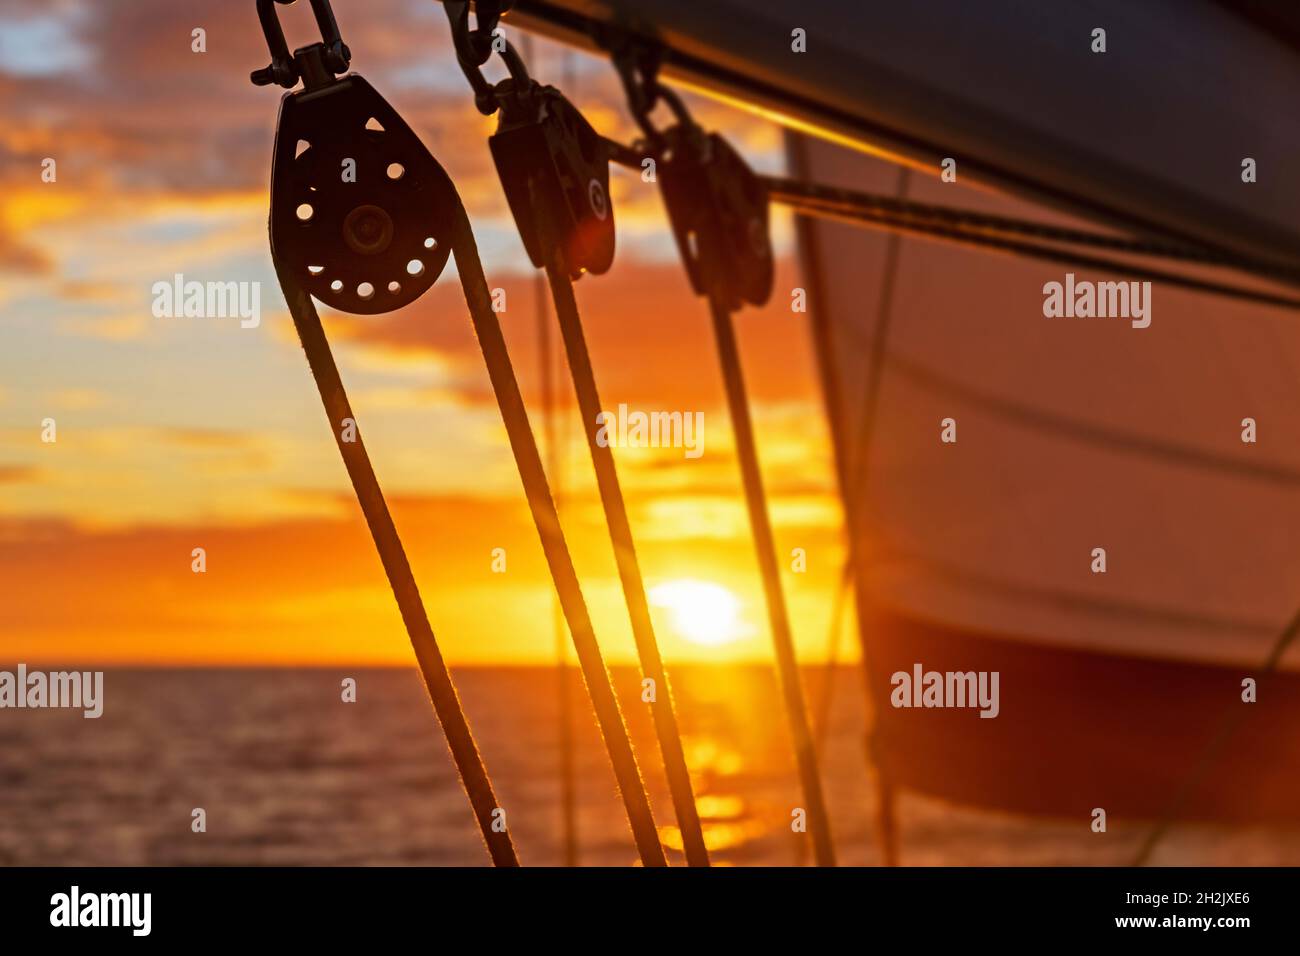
x=287, y=773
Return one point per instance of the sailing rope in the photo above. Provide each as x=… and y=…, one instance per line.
x=852, y=460
x=537, y=129
x=541, y=146
x=870, y=213
x=850, y=463
x=567, y=769
x=554, y=459
x=333, y=117
x=365, y=484
x=854, y=494
x=719, y=215
x=769, y=569
x=620, y=530
x=825, y=703
x=998, y=234
x=599, y=686
x=1213, y=748
x=802, y=193
x=437, y=679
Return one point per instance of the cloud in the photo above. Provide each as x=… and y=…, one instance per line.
x=19, y=474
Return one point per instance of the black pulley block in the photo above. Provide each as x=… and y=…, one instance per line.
x=361, y=212
x=718, y=208
x=553, y=163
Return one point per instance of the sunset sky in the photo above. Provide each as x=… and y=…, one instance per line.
x=180, y=433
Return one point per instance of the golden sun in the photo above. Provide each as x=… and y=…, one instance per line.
x=701, y=612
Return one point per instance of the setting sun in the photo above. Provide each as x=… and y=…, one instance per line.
x=701, y=612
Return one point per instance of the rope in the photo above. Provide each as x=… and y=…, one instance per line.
x=599, y=687
x=834, y=631
x=996, y=233
x=629, y=570
x=862, y=208
x=1032, y=250
x=473, y=49
x=1213, y=749
x=568, y=788
x=851, y=461
x=433, y=668
x=787, y=665
x=854, y=493
x=812, y=195
x=568, y=782
x=643, y=90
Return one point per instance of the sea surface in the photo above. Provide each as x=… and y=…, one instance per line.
x=287, y=773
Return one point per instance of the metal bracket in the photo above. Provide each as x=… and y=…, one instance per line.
x=316, y=63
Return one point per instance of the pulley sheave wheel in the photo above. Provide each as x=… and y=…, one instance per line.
x=360, y=210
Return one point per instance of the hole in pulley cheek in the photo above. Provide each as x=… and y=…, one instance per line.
x=365, y=291
x=415, y=268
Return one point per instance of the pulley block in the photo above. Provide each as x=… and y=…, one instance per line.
x=553, y=163
x=718, y=208
x=361, y=212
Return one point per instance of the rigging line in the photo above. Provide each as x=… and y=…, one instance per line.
x=868, y=208
x=835, y=630
x=473, y=49
x=437, y=679
x=1212, y=750
x=568, y=788
x=1031, y=250
x=636, y=801
x=799, y=193
x=620, y=532
x=824, y=699
x=851, y=479
x=787, y=664
x=855, y=496
x=546, y=377
x=878, y=216
x=629, y=570
x=531, y=185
